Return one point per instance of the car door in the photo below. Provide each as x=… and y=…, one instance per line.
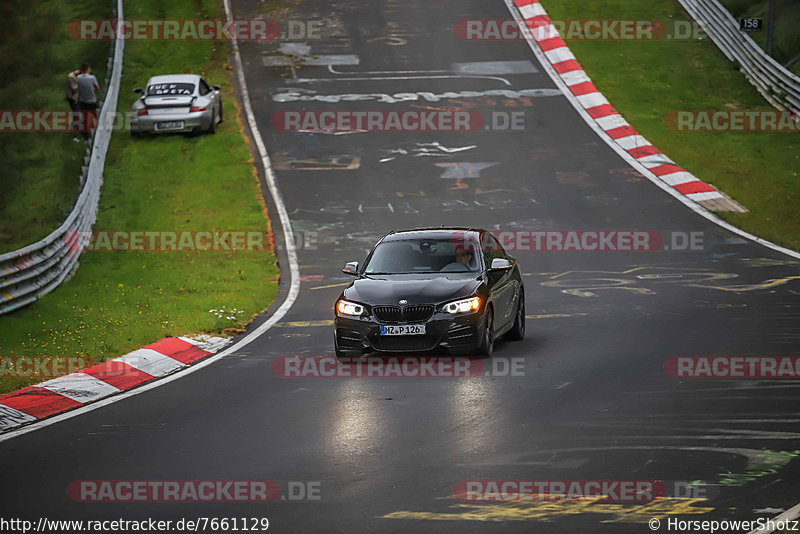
x=502, y=286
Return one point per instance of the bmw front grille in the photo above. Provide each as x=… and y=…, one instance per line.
x=397, y=314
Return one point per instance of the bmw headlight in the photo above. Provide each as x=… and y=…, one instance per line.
x=463, y=306
x=346, y=307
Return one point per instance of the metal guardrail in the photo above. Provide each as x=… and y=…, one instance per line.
x=780, y=87
x=30, y=272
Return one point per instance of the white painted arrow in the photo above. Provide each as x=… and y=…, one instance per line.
x=465, y=169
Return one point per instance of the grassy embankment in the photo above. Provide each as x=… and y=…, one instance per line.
x=645, y=80
x=40, y=173
x=120, y=301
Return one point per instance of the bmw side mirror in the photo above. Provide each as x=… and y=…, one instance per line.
x=139, y=91
x=351, y=268
x=215, y=87
x=500, y=264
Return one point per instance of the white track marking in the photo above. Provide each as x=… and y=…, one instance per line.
x=546, y=31
x=699, y=197
x=294, y=273
x=372, y=78
x=592, y=100
x=678, y=178
x=640, y=164
x=494, y=68
x=575, y=77
x=301, y=95
x=532, y=10
x=370, y=72
x=655, y=160
x=151, y=362
x=633, y=141
x=315, y=61
x=610, y=122
x=557, y=55
x=11, y=417
x=79, y=387
x=206, y=342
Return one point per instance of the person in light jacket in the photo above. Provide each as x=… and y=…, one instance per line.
x=72, y=98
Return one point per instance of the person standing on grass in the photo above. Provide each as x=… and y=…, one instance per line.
x=87, y=96
x=72, y=98
x=72, y=89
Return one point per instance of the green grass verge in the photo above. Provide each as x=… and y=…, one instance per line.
x=40, y=173
x=120, y=301
x=786, y=34
x=645, y=80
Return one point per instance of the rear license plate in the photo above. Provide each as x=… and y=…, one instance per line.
x=170, y=125
x=403, y=330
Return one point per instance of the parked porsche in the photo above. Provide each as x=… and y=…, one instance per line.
x=176, y=103
x=434, y=288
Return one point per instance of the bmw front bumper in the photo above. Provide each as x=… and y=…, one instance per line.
x=458, y=334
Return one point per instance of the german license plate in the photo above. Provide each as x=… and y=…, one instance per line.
x=169, y=125
x=403, y=330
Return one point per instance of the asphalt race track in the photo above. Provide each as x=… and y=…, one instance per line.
x=593, y=402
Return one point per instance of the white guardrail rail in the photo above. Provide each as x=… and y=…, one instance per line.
x=30, y=272
x=780, y=87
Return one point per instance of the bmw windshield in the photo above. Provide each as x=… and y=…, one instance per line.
x=423, y=256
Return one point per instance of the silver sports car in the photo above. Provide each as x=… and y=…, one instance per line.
x=176, y=103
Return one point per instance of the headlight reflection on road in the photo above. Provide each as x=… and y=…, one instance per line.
x=474, y=406
x=358, y=420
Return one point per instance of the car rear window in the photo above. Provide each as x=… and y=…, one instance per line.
x=170, y=89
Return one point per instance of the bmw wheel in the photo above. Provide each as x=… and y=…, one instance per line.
x=487, y=343
x=517, y=332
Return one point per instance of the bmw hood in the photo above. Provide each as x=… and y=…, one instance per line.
x=390, y=290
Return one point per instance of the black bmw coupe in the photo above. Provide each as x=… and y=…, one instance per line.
x=433, y=288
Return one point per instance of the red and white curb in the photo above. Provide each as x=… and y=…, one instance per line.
x=108, y=378
x=608, y=119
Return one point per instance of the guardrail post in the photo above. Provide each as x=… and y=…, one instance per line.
x=770, y=26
